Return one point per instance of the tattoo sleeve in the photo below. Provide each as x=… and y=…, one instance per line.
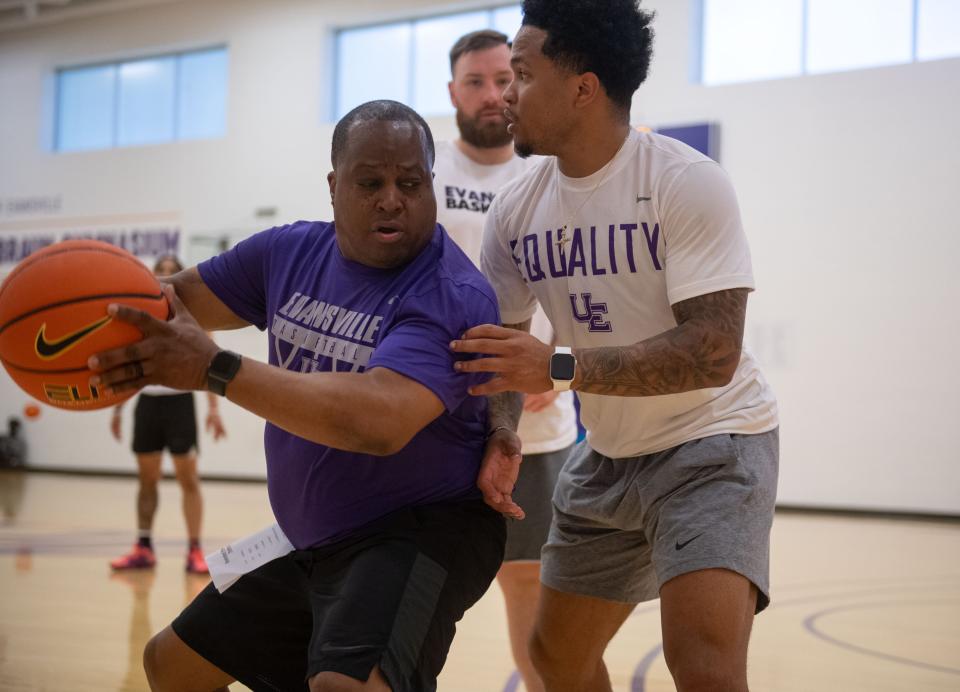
x=504, y=409
x=702, y=351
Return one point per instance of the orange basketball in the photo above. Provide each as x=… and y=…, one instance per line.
x=53, y=317
x=31, y=411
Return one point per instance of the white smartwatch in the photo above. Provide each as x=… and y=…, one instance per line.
x=563, y=367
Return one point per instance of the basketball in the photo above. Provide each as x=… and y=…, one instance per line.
x=53, y=317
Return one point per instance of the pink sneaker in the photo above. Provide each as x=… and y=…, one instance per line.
x=138, y=558
x=196, y=564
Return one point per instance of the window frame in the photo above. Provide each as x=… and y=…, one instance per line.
x=334, y=112
x=698, y=56
x=116, y=64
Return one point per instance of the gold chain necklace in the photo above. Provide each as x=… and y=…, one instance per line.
x=562, y=236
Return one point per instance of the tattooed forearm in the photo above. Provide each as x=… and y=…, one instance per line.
x=504, y=409
x=702, y=351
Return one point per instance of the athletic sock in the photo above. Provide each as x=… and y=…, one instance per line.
x=144, y=541
x=194, y=543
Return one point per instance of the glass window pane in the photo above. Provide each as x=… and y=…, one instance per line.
x=850, y=34
x=202, y=95
x=85, y=108
x=372, y=63
x=938, y=29
x=746, y=40
x=507, y=20
x=145, y=115
x=433, y=39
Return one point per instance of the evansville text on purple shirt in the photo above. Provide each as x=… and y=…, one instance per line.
x=328, y=314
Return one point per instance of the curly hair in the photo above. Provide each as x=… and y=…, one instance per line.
x=611, y=38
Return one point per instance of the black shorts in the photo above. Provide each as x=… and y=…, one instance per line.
x=389, y=596
x=165, y=421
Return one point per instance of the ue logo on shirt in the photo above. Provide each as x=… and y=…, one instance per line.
x=591, y=314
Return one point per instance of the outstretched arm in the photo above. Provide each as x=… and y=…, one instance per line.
x=375, y=412
x=702, y=351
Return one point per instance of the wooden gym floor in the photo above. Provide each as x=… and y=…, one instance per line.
x=859, y=603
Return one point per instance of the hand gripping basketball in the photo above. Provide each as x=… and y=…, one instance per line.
x=53, y=318
x=175, y=353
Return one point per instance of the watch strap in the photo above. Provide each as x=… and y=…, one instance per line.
x=223, y=368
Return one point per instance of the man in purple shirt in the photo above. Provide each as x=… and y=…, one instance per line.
x=373, y=444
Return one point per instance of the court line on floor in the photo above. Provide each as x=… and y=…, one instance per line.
x=810, y=624
x=638, y=681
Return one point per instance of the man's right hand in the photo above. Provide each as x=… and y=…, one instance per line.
x=498, y=473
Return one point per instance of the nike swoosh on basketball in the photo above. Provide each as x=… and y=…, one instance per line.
x=681, y=546
x=51, y=349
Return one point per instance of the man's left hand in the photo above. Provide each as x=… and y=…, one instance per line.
x=521, y=362
x=499, y=471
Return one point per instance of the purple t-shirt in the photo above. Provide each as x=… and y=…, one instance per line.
x=326, y=313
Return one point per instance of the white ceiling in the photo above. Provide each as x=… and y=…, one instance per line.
x=25, y=14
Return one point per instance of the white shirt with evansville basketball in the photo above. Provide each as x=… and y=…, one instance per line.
x=658, y=225
x=465, y=189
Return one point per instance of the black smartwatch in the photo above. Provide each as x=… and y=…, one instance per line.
x=223, y=368
x=563, y=367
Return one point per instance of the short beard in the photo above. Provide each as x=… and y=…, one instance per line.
x=488, y=136
x=522, y=149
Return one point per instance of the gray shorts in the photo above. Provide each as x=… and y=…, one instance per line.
x=534, y=493
x=624, y=527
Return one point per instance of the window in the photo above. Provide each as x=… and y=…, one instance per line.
x=202, y=95
x=85, y=108
x=143, y=101
x=938, y=29
x=432, y=40
x=145, y=112
x=847, y=34
x=418, y=67
x=744, y=40
x=737, y=32
x=366, y=75
x=507, y=20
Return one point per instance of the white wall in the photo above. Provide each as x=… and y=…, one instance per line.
x=846, y=182
x=848, y=185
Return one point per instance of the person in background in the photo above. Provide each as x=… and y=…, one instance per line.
x=13, y=447
x=467, y=175
x=166, y=418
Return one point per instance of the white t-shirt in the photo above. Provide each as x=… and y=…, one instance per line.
x=464, y=192
x=658, y=225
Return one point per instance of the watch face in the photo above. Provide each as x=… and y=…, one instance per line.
x=562, y=366
x=225, y=365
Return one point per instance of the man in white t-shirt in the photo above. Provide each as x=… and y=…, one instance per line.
x=632, y=243
x=467, y=174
